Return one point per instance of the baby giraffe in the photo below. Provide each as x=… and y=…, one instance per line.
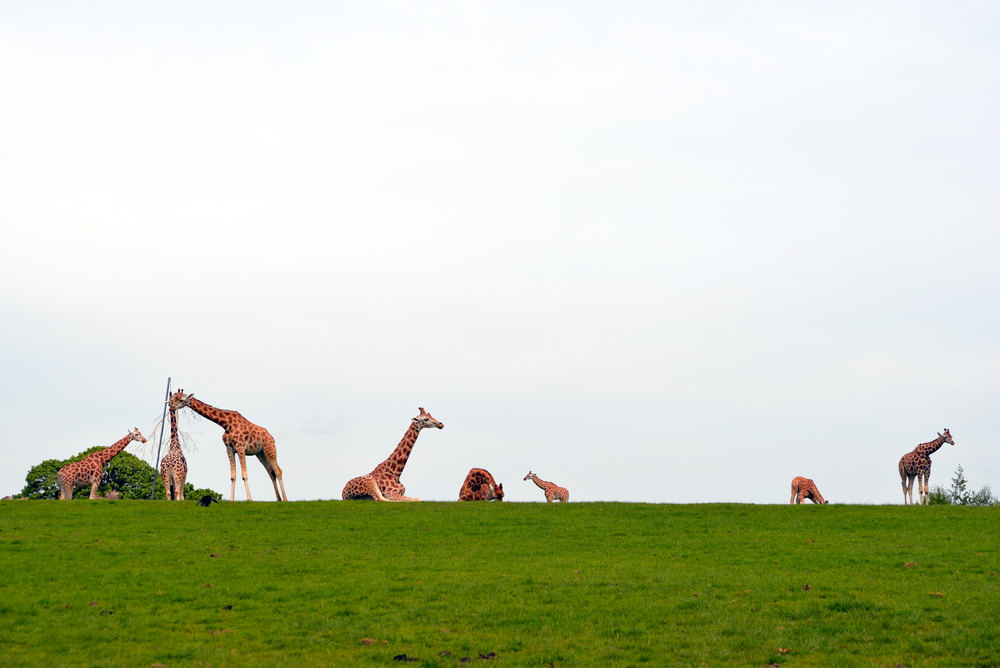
x=804, y=488
x=553, y=492
x=88, y=471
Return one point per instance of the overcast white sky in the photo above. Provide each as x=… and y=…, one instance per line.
x=667, y=253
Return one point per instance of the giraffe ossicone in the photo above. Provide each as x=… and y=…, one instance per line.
x=241, y=438
x=917, y=464
x=383, y=484
x=88, y=471
x=553, y=492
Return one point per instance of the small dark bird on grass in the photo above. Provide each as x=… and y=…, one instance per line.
x=207, y=500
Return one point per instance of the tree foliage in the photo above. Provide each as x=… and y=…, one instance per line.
x=127, y=474
x=959, y=495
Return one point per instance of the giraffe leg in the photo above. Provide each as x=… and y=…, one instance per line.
x=274, y=471
x=93, y=488
x=243, y=469
x=232, y=472
x=63, y=496
x=179, y=481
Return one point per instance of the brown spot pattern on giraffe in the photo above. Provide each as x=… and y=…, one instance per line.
x=916, y=464
x=804, y=488
x=553, y=492
x=241, y=438
x=480, y=485
x=383, y=483
x=88, y=471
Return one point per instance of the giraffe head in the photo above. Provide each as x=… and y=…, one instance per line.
x=425, y=419
x=946, y=436
x=495, y=493
x=530, y=476
x=136, y=436
x=178, y=400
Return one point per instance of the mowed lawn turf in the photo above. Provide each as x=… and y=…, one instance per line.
x=133, y=583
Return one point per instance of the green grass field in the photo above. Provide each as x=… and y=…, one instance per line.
x=134, y=583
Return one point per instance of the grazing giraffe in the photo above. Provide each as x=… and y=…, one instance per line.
x=242, y=438
x=174, y=468
x=383, y=484
x=552, y=490
x=917, y=464
x=88, y=471
x=479, y=485
x=804, y=488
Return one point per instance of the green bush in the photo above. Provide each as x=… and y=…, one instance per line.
x=959, y=495
x=126, y=474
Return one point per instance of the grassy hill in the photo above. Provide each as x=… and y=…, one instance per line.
x=133, y=583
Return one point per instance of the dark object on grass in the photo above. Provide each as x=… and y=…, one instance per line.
x=207, y=500
x=107, y=612
x=464, y=659
x=807, y=587
x=403, y=657
x=444, y=653
x=491, y=655
x=228, y=607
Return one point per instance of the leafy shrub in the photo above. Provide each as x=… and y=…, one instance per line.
x=959, y=495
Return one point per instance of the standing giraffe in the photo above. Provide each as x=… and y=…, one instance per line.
x=383, y=484
x=479, y=485
x=174, y=468
x=88, y=471
x=804, y=488
x=242, y=438
x=917, y=464
x=552, y=490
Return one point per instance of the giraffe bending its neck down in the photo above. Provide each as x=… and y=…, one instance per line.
x=553, y=492
x=242, y=438
x=174, y=468
x=88, y=471
x=383, y=483
x=804, y=488
x=479, y=485
x=917, y=464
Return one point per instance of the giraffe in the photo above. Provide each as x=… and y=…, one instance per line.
x=174, y=468
x=552, y=490
x=383, y=484
x=479, y=485
x=917, y=464
x=804, y=488
x=88, y=471
x=242, y=438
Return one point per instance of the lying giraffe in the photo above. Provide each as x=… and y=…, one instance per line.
x=88, y=471
x=804, y=488
x=241, y=437
x=479, y=485
x=917, y=464
x=174, y=468
x=552, y=490
x=383, y=484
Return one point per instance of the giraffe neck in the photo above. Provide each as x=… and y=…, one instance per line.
x=221, y=417
x=175, y=441
x=107, y=454
x=538, y=481
x=397, y=460
x=927, y=449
